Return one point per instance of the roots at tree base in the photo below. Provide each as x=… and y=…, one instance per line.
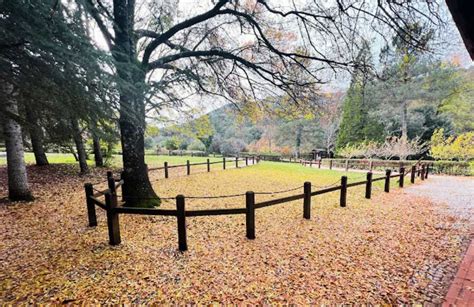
x=137, y=189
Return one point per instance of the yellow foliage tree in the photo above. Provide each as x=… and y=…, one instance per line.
x=460, y=147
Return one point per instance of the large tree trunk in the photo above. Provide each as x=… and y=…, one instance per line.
x=99, y=161
x=81, y=151
x=36, y=135
x=137, y=189
x=18, y=188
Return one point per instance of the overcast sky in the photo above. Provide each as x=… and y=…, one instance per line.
x=455, y=49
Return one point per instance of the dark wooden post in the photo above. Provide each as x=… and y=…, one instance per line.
x=166, y=170
x=402, y=177
x=111, y=184
x=180, y=207
x=368, y=186
x=246, y=161
x=413, y=174
x=330, y=164
x=109, y=174
x=112, y=219
x=90, y=205
x=311, y=163
x=419, y=171
x=188, y=168
x=250, y=214
x=307, y=200
x=319, y=163
x=422, y=172
x=342, y=201
x=426, y=171
x=236, y=162
x=223, y=162
x=387, y=180
x=208, y=165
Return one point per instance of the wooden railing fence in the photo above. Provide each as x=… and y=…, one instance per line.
x=235, y=161
x=111, y=203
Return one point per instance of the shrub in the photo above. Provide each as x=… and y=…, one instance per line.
x=460, y=147
x=197, y=145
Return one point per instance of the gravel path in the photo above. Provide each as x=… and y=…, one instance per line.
x=456, y=192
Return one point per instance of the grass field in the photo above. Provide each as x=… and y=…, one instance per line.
x=379, y=251
x=151, y=160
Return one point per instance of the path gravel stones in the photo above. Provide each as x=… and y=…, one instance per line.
x=456, y=195
x=455, y=192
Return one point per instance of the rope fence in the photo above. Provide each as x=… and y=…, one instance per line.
x=111, y=204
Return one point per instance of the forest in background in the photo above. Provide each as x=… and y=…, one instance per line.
x=438, y=97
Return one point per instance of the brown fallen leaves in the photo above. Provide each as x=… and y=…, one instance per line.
x=391, y=249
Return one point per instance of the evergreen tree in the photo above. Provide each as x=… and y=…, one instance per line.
x=357, y=125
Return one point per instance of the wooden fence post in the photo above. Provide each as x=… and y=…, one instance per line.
x=422, y=172
x=319, y=163
x=413, y=174
x=387, y=180
x=402, y=177
x=112, y=219
x=426, y=171
x=347, y=165
x=208, y=165
x=250, y=214
x=90, y=205
x=181, y=217
x=330, y=164
x=307, y=200
x=368, y=186
x=246, y=161
x=342, y=201
x=223, y=162
x=371, y=165
x=166, y=170
x=311, y=163
x=188, y=168
x=236, y=162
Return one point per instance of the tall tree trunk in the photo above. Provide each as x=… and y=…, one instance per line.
x=18, y=188
x=81, y=151
x=137, y=189
x=404, y=121
x=99, y=161
x=299, y=132
x=36, y=135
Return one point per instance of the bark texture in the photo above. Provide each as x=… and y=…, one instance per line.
x=99, y=161
x=37, y=136
x=18, y=188
x=81, y=151
x=137, y=189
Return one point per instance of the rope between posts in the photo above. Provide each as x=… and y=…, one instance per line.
x=328, y=186
x=283, y=191
x=98, y=191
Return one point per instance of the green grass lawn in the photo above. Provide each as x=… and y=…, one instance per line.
x=151, y=160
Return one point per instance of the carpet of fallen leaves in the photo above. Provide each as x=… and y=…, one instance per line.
x=392, y=249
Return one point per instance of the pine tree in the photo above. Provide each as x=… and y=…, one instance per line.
x=356, y=124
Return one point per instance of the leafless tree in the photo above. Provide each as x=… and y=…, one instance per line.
x=234, y=49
